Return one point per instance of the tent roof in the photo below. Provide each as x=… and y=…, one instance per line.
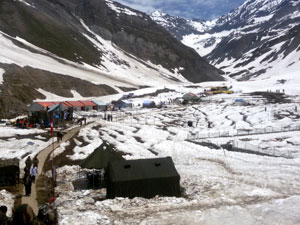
x=45, y=104
x=101, y=157
x=75, y=103
x=140, y=169
x=98, y=102
x=88, y=103
x=148, y=101
x=68, y=104
x=127, y=101
x=49, y=104
x=190, y=94
x=9, y=162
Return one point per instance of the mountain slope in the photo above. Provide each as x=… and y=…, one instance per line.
x=98, y=41
x=258, y=39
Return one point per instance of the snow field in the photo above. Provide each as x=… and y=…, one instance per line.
x=246, y=188
x=216, y=183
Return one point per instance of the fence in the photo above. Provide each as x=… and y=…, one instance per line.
x=138, y=119
x=241, y=132
x=275, y=151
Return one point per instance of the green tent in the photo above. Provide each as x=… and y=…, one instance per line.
x=101, y=157
x=9, y=171
x=143, y=178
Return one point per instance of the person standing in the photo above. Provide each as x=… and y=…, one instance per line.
x=35, y=161
x=27, y=183
x=59, y=136
x=33, y=173
x=28, y=162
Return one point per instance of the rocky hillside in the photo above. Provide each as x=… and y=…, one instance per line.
x=95, y=42
x=259, y=39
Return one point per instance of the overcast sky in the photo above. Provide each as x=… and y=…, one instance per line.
x=201, y=9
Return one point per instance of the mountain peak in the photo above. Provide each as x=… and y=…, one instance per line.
x=259, y=38
x=158, y=13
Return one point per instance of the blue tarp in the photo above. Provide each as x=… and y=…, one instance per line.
x=147, y=102
x=239, y=100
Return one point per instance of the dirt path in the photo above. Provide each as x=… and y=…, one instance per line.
x=42, y=156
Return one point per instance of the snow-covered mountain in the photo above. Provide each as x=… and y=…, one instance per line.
x=180, y=27
x=257, y=40
x=94, y=48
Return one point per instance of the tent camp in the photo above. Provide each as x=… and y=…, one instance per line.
x=9, y=172
x=143, y=178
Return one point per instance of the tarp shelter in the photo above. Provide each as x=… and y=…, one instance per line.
x=101, y=157
x=100, y=106
x=149, y=104
x=190, y=97
x=9, y=172
x=240, y=101
x=36, y=107
x=143, y=178
x=123, y=104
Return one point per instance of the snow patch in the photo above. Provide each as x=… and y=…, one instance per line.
x=26, y=3
x=120, y=10
x=2, y=71
x=7, y=199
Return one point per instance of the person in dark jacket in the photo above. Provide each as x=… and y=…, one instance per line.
x=35, y=162
x=59, y=136
x=23, y=215
x=28, y=162
x=27, y=181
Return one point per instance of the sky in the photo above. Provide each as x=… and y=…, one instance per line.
x=190, y=9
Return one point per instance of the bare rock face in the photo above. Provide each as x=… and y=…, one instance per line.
x=20, y=87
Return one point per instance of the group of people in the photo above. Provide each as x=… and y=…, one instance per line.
x=30, y=173
x=81, y=121
x=23, y=123
x=24, y=215
x=108, y=117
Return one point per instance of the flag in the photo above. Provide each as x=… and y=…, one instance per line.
x=51, y=125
